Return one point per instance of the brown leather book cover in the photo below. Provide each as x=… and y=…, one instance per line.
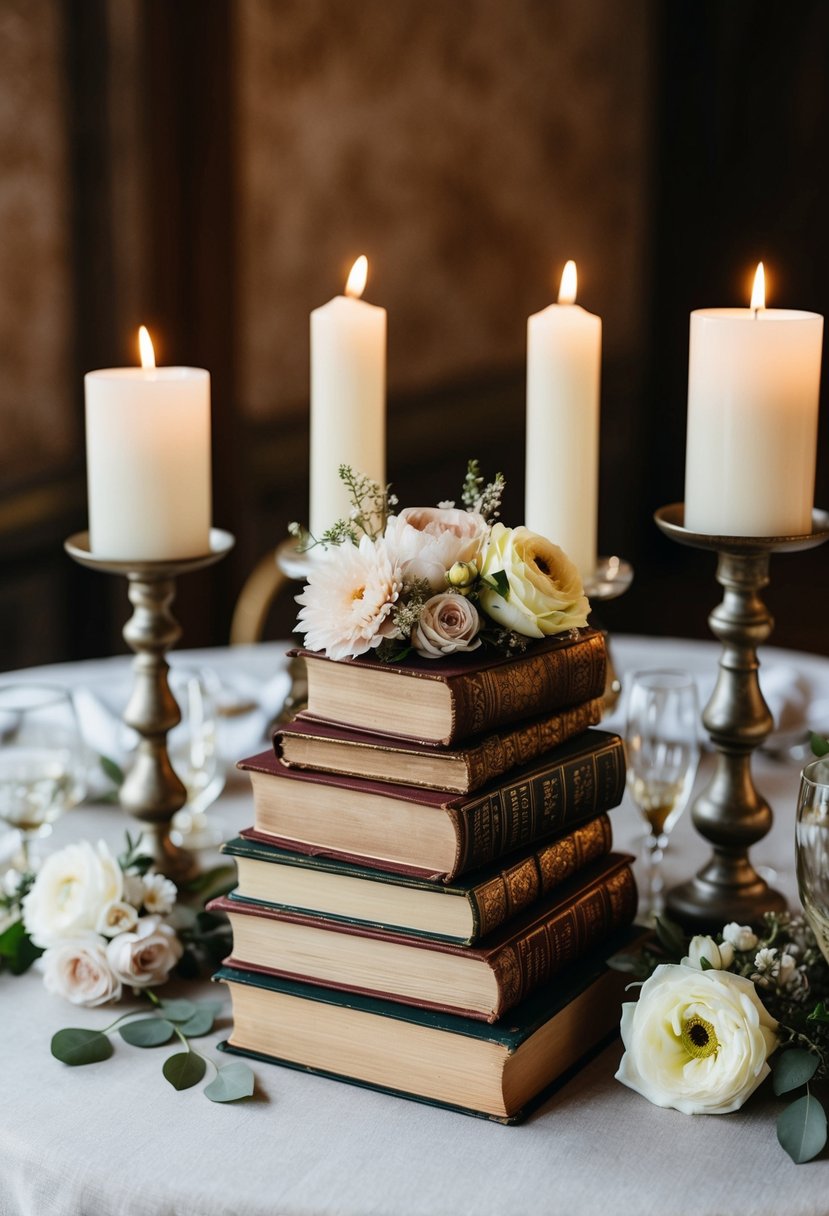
x=487, y=691
x=522, y=955
x=469, y=768
x=567, y=786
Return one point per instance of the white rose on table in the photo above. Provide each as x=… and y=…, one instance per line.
x=71, y=891
x=145, y=957
x=448, y=624
x=697, y=1041
x=428, y=541
x=541, y=591
x=718, y=957
x=78, y=971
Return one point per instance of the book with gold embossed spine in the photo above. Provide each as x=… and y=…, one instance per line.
x=482, y=981
x=463, y=911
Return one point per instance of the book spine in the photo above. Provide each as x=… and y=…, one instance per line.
x=513, y=890
x=523, y=966
x=558, y=798
x=498, y=754
x=528, y=687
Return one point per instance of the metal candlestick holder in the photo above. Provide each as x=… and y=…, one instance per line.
x=730, y=813
x=152, y=792
x=610, y=579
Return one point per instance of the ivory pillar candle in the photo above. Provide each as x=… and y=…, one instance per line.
x=564, y=347
x=348, y=397
x=148, y=461
x=753, y=382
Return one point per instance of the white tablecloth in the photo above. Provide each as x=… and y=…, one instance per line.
x=115, y=1138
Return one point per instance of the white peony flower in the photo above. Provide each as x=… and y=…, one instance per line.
x=428, y=541
x=348, y=600
x=117, y=917
x=544, y=589
x=697, y=1041
x=448, y=624
x=719, y=957
x=70, y=892
x=78, y=970
x=741, y=937
x=145, y=957
x=159, y=894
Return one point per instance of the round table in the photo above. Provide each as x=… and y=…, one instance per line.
x=115, y=1138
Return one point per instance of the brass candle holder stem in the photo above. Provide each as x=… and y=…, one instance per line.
x=152, y=792
x=730, y=813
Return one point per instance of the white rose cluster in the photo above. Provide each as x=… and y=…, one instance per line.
x=100, y=929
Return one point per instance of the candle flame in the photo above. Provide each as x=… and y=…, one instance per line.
x=145, y=345
x=569, y=284
x=356, y=284
x=758, y=291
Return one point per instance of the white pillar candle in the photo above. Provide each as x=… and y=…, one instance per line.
x=348, y=397
x=564, y=352
x=148, y=461
x=753, y=382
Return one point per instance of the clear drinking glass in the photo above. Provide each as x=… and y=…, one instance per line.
x=662, y=749
x=194, y=754
x=43, y=760
x=812, y=849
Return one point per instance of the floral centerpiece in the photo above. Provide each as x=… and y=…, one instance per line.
x=433, y=581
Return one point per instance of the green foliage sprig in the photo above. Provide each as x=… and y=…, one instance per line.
x=485, y=498
x=370, y=503
x=180, y=1019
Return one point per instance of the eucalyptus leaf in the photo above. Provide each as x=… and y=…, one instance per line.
x=819, y=745
x=184, y=1069
x=200, y=1023
x=17, y=951
x=232, y=1082
x=801, y=1129
x=147, y=1032
x=178, y=1010
x=116, y=776
x=793, y=1068
x=77, y=1046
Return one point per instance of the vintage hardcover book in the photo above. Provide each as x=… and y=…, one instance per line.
x=457, y=698
x=320, y=746
x=498, y=1071
x=482, y=981
x=433, y=833
x=463, y=911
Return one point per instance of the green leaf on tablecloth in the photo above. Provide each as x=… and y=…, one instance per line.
x=75, y=1046
x=200, y=1023
x=147, y=1032
x=793, y=1068
x=232, y=1082
x=184, y=1069
x=178, y=1010
x=801, y=1129
x=819, y=745
x=17, y=951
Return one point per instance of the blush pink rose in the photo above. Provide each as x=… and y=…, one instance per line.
x=448, y=624
x=428, y=541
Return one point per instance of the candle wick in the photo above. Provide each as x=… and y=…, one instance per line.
x=756, y=313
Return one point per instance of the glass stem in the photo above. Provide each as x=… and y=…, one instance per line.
x=655, y=888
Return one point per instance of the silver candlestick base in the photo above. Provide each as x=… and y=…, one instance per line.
x=610, y=579
x=730, y=813
x=152, y=792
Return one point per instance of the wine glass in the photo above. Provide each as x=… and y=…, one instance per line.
x=812, y=849
x=43, y=765
x=194, y=754
x=662, y=756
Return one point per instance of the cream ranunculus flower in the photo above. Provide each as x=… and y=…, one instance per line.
x=697, y=1041
x=71, y=891
x=719, y=957
x=448, y=624
x=145, y=957
x=429, y=541
x=545, y=593
x=78, y=970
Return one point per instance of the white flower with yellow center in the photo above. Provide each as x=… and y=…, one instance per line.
x=348, y=600
x=697, y=1041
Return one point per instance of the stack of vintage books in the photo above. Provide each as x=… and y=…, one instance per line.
x=427, y=896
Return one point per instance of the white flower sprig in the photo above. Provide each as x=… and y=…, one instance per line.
x=710, y=1012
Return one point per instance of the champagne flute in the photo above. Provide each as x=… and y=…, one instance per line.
x=812, y=849
x=662, y=756
x=42, y=760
